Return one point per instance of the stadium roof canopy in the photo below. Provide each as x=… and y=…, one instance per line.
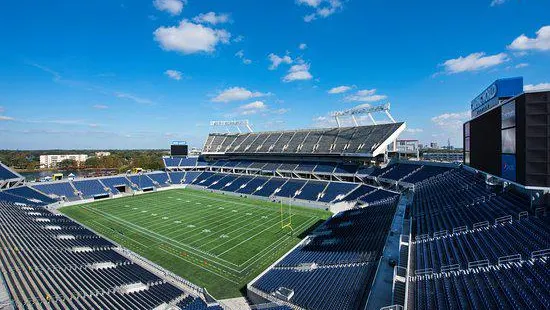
x=364, y=141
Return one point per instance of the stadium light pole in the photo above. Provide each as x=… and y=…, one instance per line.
x=362, y=110
x=229, y=124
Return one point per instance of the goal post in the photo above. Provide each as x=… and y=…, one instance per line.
x=286, y=219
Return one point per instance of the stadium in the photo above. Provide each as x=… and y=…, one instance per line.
x=321, y=218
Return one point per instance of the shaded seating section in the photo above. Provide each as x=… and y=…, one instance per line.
x=252, y=185
x=7, y=174
x=325, y=168
x=460, y=199
x=377, y=196
x=324, y=288
x=286, y=166
x=333, y=268
x=268, y=188
x=195, y=303
x=358, y=192
x=350, y=140
x=50, y=262
x=398, y=171
x=425, y=173
x=59, y=189
x=521, y=237
x=159, y=178
x=141, y=181
x=477, y=247
x=171, y=162
x=336, y=191
x=238, y=183
x=290, y=188
x=176, y=177
x=190, y=176
x=352, y=236
x=90, y=188
x=29, y=193
x=312, y=190
x=221, y=183
x=410, y=173
x=201, y=178
x=522, y=285
x=189, y=162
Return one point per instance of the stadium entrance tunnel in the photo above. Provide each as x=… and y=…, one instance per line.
x=122, y=188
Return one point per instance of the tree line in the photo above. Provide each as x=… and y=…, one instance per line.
x=119, y=159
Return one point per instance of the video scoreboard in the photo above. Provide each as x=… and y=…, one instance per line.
x=509, y=133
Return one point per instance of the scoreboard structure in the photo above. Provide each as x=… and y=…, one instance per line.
x=179, y=149
x=509, y=133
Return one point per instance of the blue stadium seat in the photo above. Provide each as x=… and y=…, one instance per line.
x=90, y=188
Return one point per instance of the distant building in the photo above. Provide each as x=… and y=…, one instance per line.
x=102, y=154
x=408, y=147
x=444, y=156
x=51, y=161
x=434, y=145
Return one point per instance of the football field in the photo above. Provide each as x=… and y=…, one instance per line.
x=216, y=241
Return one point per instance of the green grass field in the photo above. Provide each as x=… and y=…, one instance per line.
x=216, y=241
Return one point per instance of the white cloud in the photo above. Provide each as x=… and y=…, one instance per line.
x=541, y=42
x=173, y=7
x=173, y=74
x=414, y=130
x=240, y=55
x=310, y=17
x=474, y=62
x=276, y=60
x=497, y=2
x=323, y=8
x=522, y=65
x=324, y=122
x=190, y=38
x=280, y=111
x=6, y=118
x=311, y=3
x=451, y=121
x=238, y=38
x=133, y=98
x=365, y=95
x=100, y=107
x=298, y=73
x=252, y=108
x=237, y=94
x=211, y=18
x=302, y=46
x=533, y=87
x=339, y=89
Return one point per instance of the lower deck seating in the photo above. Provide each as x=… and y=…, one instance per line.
x=142, y=181
x=333, y=268
x=114, y=182
x=159, y=178
x=43, y=271
x=510, y=286
x=326, y=288
x=477, y=246
x=58, y=189
x=27, y=192
x=90, y=188
x=176, y=177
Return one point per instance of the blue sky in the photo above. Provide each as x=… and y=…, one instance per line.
x=140, y=74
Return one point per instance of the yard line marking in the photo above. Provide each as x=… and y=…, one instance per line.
x=276, y=223
x=160, y=238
